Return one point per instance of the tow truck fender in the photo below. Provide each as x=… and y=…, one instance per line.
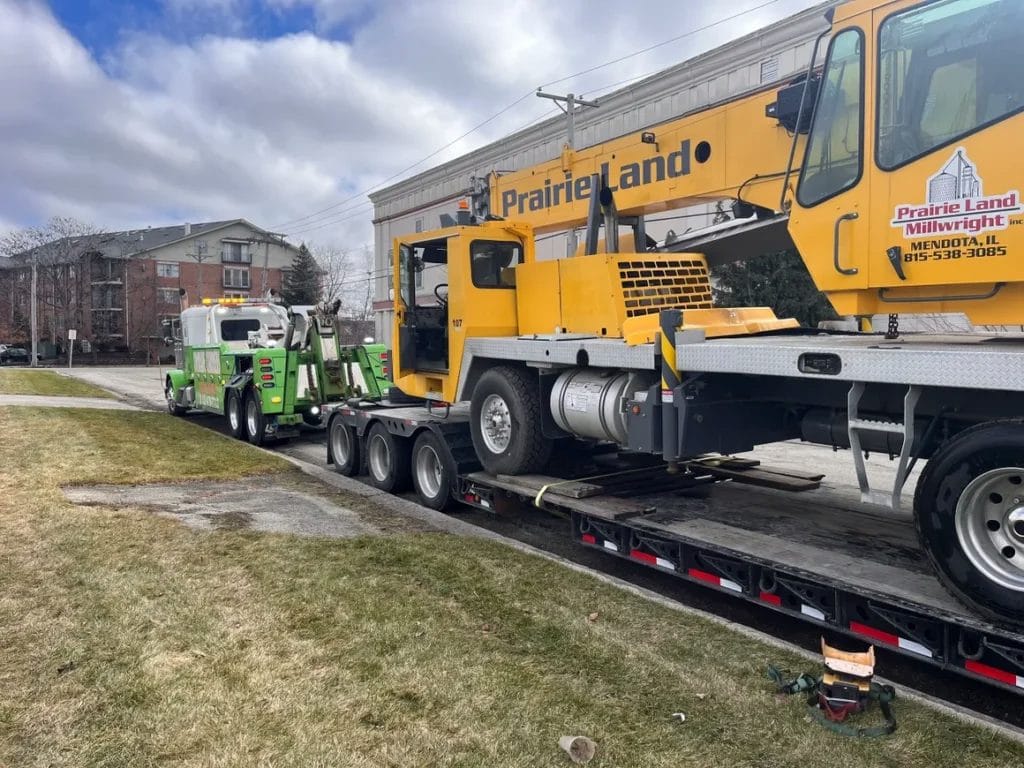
x=177, y=380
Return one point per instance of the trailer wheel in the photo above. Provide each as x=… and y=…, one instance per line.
x=969, y=513
x=505, y=421
x=433, y=471
x=344, y=447
x=387, y=460
x=255, y=421
x=233, y=410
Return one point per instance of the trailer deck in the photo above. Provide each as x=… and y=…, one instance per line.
x=849, y=567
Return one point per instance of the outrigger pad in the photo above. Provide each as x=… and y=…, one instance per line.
x=849, y=663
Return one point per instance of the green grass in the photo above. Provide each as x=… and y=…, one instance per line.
x=130, y=640
x=28, y=382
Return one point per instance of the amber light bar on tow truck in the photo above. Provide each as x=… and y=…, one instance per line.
x=232, y=301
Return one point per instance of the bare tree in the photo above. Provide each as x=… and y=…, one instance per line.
x=345, y=275
x=56, y=255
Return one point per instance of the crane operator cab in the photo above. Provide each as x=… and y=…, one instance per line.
x=452, y=284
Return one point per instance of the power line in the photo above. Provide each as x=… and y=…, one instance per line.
x=317, y=218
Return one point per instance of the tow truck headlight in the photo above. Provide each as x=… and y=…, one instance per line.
x=315, y=410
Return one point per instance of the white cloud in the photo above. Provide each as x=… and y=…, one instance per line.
x=223, y=126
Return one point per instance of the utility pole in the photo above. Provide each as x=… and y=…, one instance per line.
x=33, y=320
x=571, y=103
x=200, y=256
x=277, y=238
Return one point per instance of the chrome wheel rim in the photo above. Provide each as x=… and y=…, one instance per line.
x=233, y=416
x=341, y=445
x=251, y=418
x=379, y=457
x=428, y=471
x=496, y=424
x=989, y=523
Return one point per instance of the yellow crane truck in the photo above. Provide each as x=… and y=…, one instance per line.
x=893, y=169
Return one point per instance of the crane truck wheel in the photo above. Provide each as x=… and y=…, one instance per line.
x=969, y=513
x=233, y=410
x=433, y=471
x=505, y=421
x=255, y=421
x=344, y=447
x=387, y=460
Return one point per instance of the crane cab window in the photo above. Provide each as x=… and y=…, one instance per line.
x=492, y=263
x=833, y=160
x=945, y=70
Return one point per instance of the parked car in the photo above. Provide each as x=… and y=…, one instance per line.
x=15, y=355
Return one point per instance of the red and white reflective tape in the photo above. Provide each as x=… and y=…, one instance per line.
x=994, y=673
x=660, y=562
x=589, y=538
x=890, y=639
x=769, y=597
x=711, y=578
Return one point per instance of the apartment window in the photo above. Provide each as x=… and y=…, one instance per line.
x=167, y=269
x=167, y=295
x=237, y=253
x=236, y=295
x=236, y=277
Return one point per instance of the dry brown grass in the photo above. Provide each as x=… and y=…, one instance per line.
x=129, y=640
x=21, y=381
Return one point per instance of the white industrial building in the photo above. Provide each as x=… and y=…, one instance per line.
x=774, y=54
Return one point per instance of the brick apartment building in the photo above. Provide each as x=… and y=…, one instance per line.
x=116, y=288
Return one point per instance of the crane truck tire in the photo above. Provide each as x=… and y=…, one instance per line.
x=387, y=460
x=344, y=448
x=255, y=421
x=433, y=471
x=969, y=513
x=505, y=421
x=233, y=410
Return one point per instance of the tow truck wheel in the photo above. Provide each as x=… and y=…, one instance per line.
x=255, y=422
x=433, y=473
x=172, y=405
x=505, y=421
x=969, y=512
x=233, y=409
x=344, y=448
x=387, y=460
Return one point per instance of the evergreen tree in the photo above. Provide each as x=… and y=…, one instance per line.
x=777, y=280
x=302, y=283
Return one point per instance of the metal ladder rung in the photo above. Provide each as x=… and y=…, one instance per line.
x=869, y=425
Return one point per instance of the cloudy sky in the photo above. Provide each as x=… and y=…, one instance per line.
x=126, y=114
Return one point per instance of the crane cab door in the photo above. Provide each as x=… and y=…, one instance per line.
x=947, y=161
x=421, y=306
x=829, y=219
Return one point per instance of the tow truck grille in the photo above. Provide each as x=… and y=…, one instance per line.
x=667, y=282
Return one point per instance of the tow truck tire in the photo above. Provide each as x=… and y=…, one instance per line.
x=255, y=421
x=387, y=460
x=233, y=409
x=172, y=406
x=969, y=513
x=433, y=471
x=344, y=445
x=505, y=421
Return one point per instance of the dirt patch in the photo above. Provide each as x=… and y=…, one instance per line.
x=257, y=504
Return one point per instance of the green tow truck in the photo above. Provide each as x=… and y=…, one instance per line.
x=268, y=368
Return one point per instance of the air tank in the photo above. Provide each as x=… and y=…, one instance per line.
x=588, y=402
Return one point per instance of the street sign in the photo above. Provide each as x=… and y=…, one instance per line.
x=72, y=334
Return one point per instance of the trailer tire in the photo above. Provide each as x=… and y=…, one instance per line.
x=505, y=422
x=344, y=446
x=970, y=517
x=233, y=411
x=255, y=421
x=387, y=460
x=433, y=471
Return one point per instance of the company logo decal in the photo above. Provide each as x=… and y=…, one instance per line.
x=956, y=203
